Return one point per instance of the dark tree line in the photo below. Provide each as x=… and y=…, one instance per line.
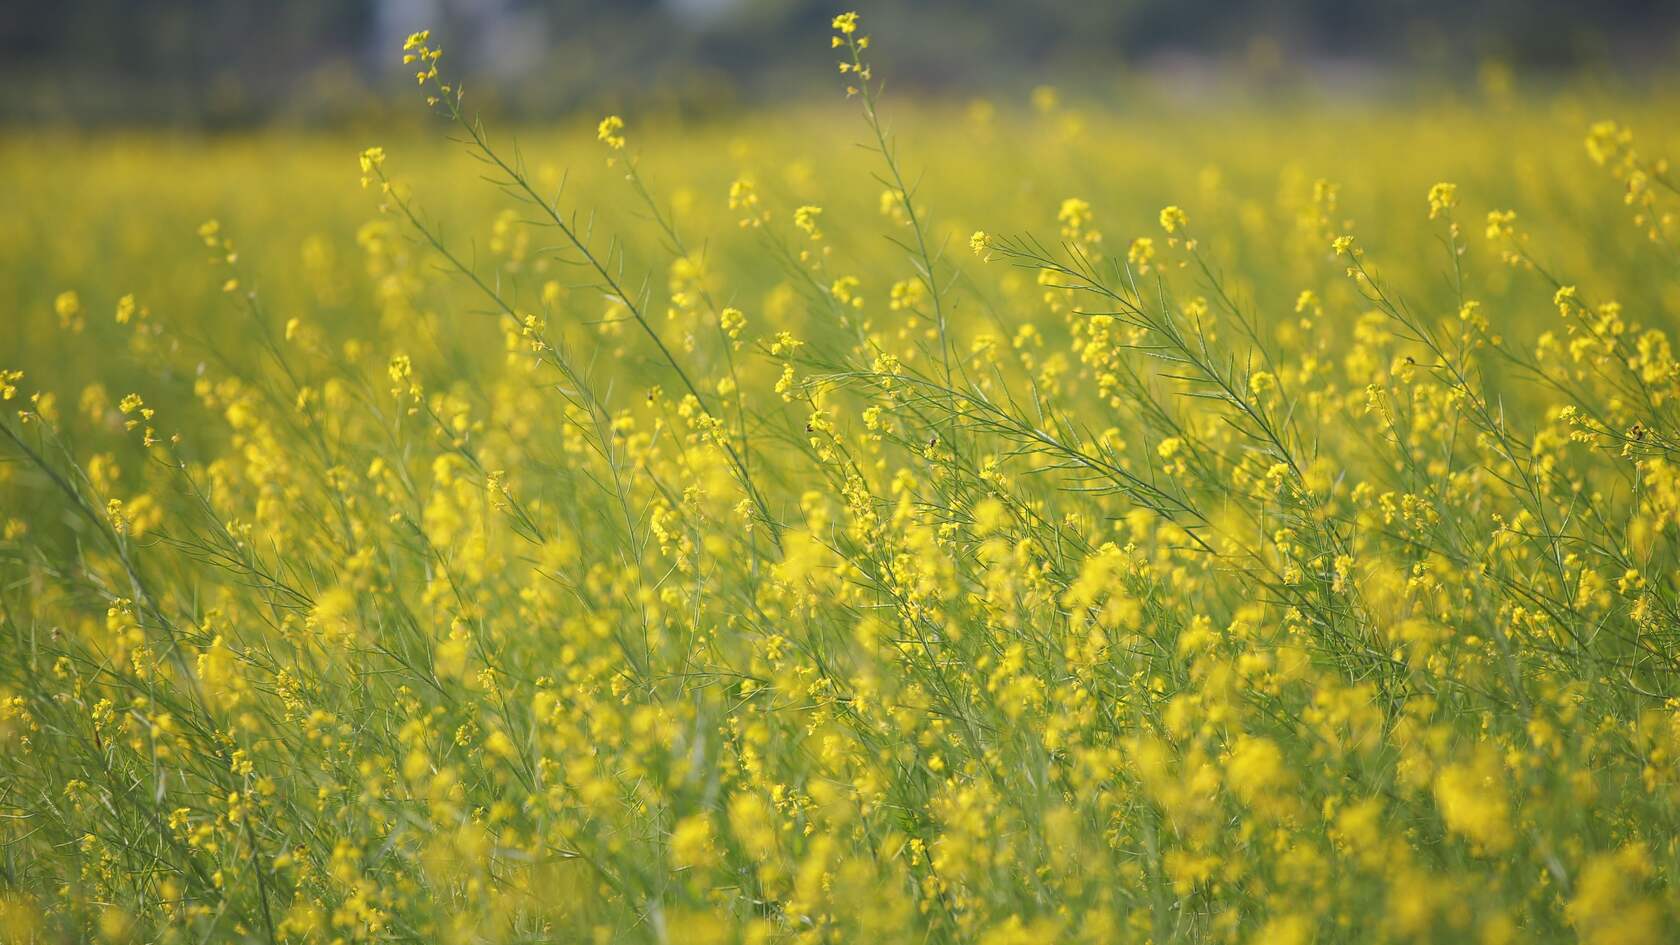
x=233, y=61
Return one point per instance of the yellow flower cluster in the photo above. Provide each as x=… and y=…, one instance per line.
x=702, y=574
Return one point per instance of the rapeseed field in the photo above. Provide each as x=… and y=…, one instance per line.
x=1066, y=520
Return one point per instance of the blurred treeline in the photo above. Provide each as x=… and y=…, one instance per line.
x=219, y=63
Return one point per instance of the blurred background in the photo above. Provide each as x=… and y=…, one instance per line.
x=234, y=63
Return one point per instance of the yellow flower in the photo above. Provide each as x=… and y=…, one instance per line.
x=1442, y=197
x=1292, y=929
x=417, y=48
x=608, y=132
x=1607, y=140
x=1500, y=223
x=1256, y=770
x=1564, y=299
x=1609, y=908
x=743, y=197
x=68, y=305
x=731, y=320
x=1074, y=214
x=806, y=219
x=1471, y=798
x=1141, y=252
x=371, y=160
x=691, y=842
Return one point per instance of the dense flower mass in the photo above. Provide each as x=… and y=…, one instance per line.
x=709, y=569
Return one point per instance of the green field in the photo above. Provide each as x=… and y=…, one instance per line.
x=1058, y=520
